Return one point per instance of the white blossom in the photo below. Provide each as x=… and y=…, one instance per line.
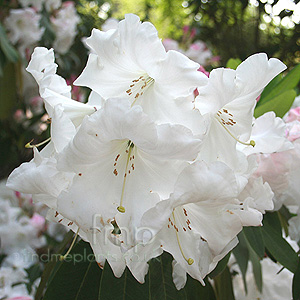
x=131, y=62
x=64, y=25
x=23, y=28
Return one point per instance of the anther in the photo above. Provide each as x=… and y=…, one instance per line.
x=190, y=261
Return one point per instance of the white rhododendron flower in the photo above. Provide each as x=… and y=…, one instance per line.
x=137, y=160
x=143, y=167
x=52, y=4
x=36, y=4
x=64, y=25
x=281, y=168
x=131, y=62
x=13, y=282
x=199, y=223
x=227, y=102
x=23, y=27
x=277, y=283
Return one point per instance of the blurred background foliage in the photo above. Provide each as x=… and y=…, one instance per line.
x=233, y=28
x=230, y=29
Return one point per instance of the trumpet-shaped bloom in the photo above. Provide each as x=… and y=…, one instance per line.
x=131, y=62
x=123, y=162
x=227, y=102
x=199, y=223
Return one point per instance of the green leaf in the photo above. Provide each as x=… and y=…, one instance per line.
x=241, y=254
x=279, y=104
x=233, y=63
x=290, y=81
x=9, y=51
x=269, y=88
x=279, y=248
x=50, y=266
x=296, y=283
x=254, y=237
x=33, y=273
x=284, y=223
x=220, y=266
x=223, y=285
x=272, y=219
x=256, y=268
x=79, y=277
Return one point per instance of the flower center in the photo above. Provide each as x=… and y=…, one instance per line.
x=225, y=118
x=138, y=86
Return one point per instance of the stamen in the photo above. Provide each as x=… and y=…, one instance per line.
x=251, y=143
x=62, y=257
x=121, y=208
x=190, y=261
x=138, y=86
x=28, y=145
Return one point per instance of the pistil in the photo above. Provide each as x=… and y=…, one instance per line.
x=28, y=145
x=251, y=143
x=121, y=208
x=190, y=261
x=62, y=257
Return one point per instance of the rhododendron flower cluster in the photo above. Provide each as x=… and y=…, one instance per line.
x=23, y=232
x=25, y=29
x=143, y=167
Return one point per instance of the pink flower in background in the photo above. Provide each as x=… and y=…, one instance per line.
x=170, y=44
x=294, y=114
x=185, y=29
x=21, y=298
x=36, y=104
x=193, y=33
x=38, y=221
x=293, y=131
x=19, y=115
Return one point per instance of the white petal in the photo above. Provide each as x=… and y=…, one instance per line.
x=268, y=132
x=256, y=72
x=42, y=60
x=62, y=128
x=75, y=110
x=178, y=75
x=179, y=275
x=42, y=178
